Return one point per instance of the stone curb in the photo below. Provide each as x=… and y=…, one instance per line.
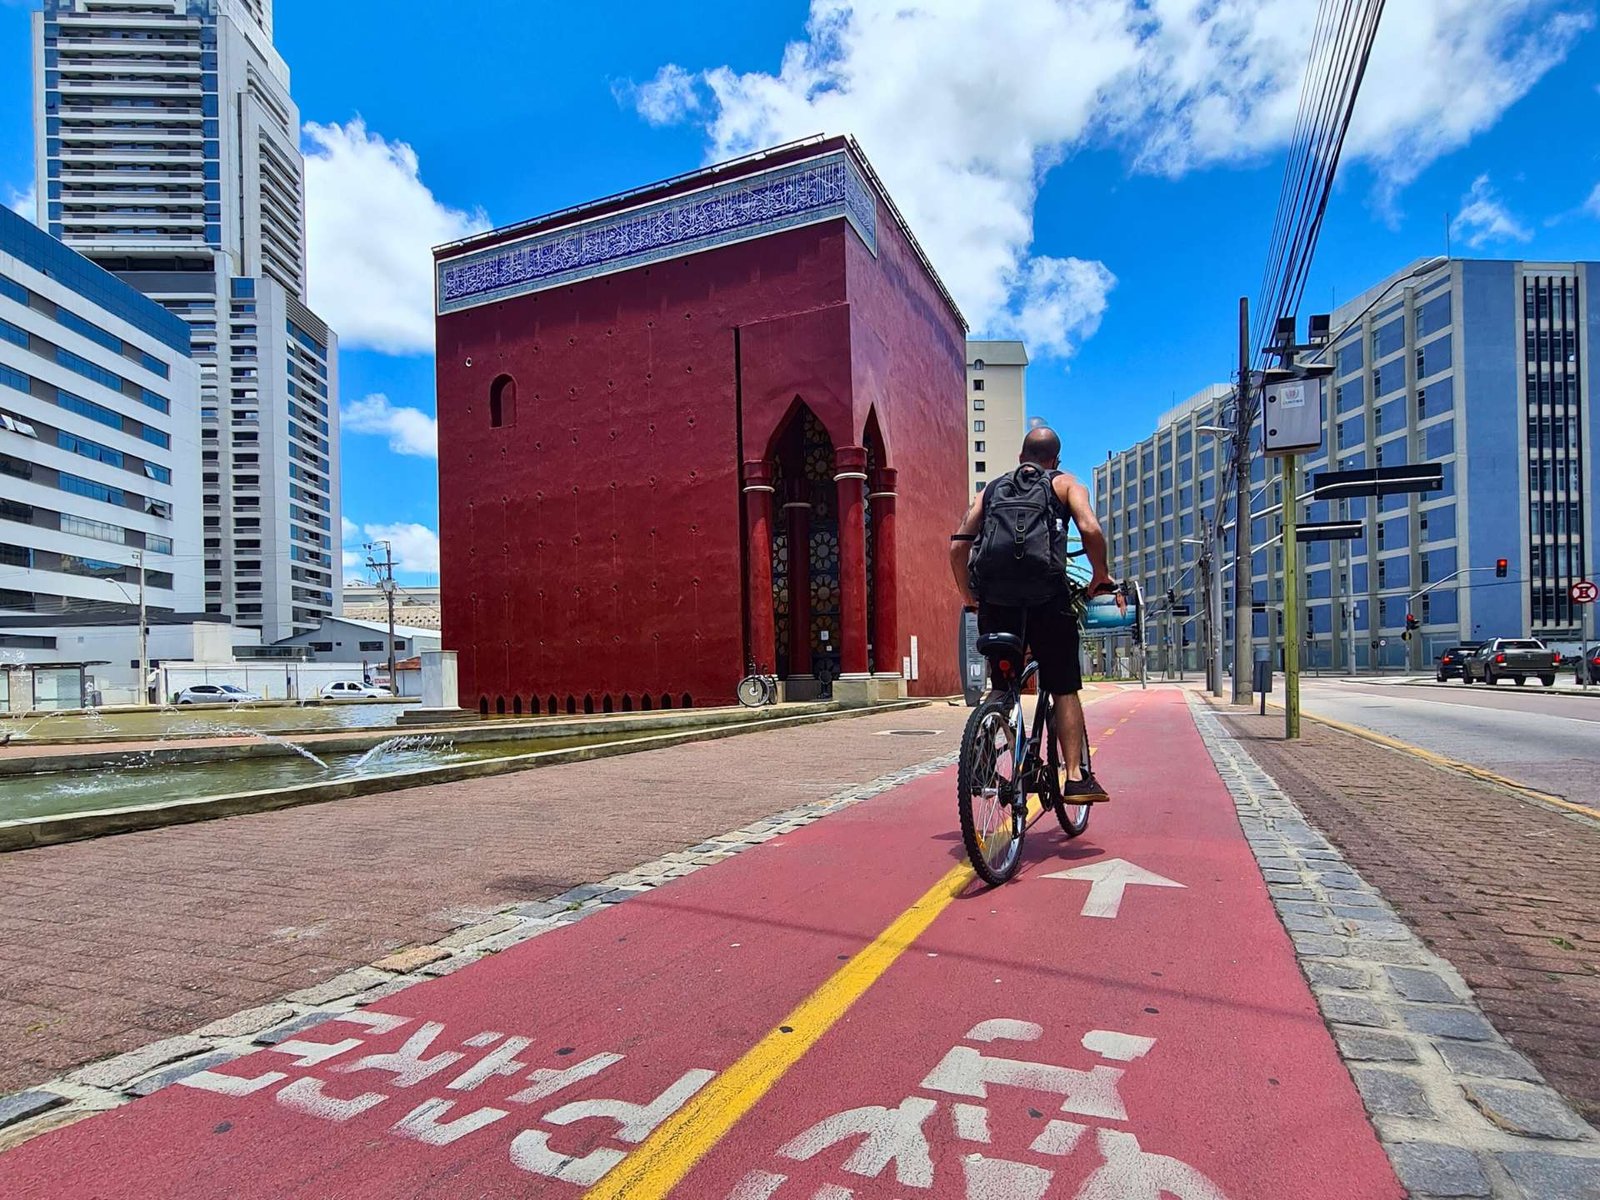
x=111, y=1082
x=1459, y=1112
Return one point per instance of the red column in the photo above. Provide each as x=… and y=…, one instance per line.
x=797, y=512
x=850, y=463
x=887, y=656
x=761, y=637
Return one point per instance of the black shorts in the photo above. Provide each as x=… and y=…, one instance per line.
x=1050, y=631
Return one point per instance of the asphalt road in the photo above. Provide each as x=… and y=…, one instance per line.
x=1547, y=741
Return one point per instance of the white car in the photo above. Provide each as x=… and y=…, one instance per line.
x=215, y=693
x=349, y=689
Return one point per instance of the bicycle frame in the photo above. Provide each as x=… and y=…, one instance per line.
x=1026, y=749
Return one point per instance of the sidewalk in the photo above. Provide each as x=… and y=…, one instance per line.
x=111, y=944
x=1506, y=889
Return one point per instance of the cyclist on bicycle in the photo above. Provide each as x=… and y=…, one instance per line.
x=1011, y=568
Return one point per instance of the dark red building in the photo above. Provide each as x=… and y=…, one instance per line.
x=648, y=402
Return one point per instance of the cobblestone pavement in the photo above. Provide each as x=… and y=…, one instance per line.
x=113, y=944
x=1459, y=1112
x=1506, y=889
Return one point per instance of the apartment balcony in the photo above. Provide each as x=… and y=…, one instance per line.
x=129, y=85
x=177, y=66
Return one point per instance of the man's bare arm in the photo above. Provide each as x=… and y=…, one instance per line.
x=1094, y=539
x=961, y=550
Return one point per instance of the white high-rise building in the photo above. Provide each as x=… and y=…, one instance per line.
x=168, y=152
x=997, y=398
x=99, y=448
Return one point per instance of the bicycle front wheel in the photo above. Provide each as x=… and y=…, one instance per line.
x=993, y=816
x=752, y=691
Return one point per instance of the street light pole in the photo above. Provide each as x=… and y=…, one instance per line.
x=144, y=635
x=1291, y=600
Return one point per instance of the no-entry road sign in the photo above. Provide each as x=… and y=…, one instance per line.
x=1584, y=592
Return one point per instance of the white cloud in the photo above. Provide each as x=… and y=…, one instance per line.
x=409, y=430
x=348, y=529
x=667, y=98
x=415, y=547
x=24, y=204
x=966, y=105
x=1060, y=303
x=1484, y=219
x=370, y=224
x=1592, y=204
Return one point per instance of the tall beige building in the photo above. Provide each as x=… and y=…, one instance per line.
x=996, y=404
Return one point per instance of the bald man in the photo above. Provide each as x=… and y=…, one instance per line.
x=1050, y=629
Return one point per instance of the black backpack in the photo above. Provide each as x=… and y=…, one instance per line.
x=1020, y=558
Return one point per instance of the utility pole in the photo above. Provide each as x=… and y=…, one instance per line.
x=385, y=570
x=144, y=635
x=1243, y=572
x=1291, y=599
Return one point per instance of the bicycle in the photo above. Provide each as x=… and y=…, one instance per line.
x=1000, y=768
x=757, y=689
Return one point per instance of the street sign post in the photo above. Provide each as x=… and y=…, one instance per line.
x=1584, y=591
x=1379, y=481
x=1329, y=531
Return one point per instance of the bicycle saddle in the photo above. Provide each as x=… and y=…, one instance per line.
x=991, y=644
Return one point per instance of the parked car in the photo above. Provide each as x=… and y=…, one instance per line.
x=215, y=693
x=350, y=689
x=1587, y=670
x=1511, y=658
x=1450, y=662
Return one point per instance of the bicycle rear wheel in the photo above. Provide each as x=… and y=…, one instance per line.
x=1074, y=818
x=993, y=820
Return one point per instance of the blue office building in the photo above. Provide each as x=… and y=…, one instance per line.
x=1479, y=366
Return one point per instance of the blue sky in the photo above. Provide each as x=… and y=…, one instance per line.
x=1103, y=186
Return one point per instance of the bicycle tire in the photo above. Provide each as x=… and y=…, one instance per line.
x=752, y=691
x=1074, y=818
x=769, y=684
x=978, y=777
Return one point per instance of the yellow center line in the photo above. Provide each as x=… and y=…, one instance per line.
x=683, y=1139
x=1451, y=764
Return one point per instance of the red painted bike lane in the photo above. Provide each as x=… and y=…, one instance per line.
x=1101, y=1036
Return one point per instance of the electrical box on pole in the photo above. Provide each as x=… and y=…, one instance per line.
x=1292, y=416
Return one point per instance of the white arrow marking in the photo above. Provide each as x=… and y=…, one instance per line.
x=1108, y=880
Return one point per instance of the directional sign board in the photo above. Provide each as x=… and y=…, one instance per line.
x=1328, y=531
x=1379, y=481
x=1584, y=592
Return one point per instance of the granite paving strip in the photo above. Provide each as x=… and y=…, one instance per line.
x=1459, y=1112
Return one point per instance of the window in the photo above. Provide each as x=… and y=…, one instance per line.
x=503, y=402
x=89, y=370
x=977, y=385
x=94, y=450
x=99, y=530
x=980, y=466
x=90, y=330
x=977, y=404
x=158, y=473
x=978, y=446
x=88, y=487
x=14, y=334
x=977, y=364
x=371, y=647
x=977, y=426
x=88, y=408
x=155, y=437
x=322, y=647
x=157, y=544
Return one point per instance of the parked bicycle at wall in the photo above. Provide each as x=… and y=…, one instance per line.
x=757, y=689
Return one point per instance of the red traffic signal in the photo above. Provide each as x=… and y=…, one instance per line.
x=1411, y=621
x=1500, y=565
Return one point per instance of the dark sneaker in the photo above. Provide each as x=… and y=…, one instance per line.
x=1083, y=791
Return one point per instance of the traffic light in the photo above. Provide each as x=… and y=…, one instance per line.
x=1500, y=568
x=1411, y=621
